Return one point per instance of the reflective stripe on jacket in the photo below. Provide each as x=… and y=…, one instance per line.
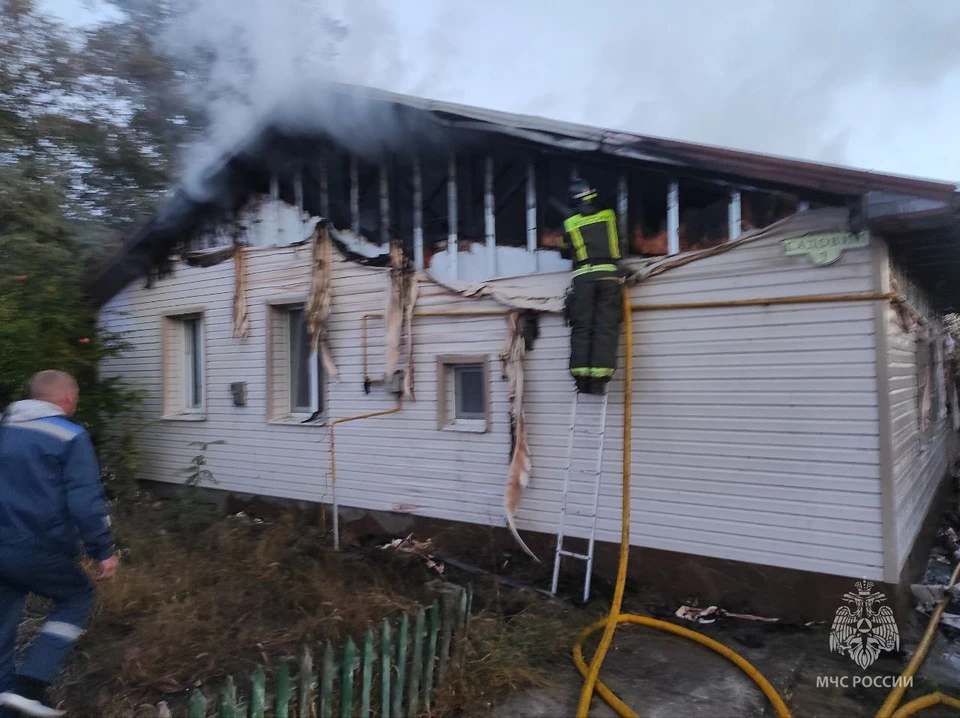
x=51, y=496
x=593, y=237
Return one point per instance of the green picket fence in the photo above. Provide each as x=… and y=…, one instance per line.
x=392, y=673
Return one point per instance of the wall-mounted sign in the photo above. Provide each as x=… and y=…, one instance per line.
x=825, y=248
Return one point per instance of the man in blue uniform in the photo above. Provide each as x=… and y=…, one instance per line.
x=52, y=508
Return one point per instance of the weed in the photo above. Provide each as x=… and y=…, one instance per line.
x=197, y=473
x=192, y=605
x=196, y=514
x=189, y=607
x=506, y=653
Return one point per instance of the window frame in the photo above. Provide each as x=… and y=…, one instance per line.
x=193, y=362
x=314, y=370
x=459, y=373
x=177, y=404
x=447, y=419
x=292, y=415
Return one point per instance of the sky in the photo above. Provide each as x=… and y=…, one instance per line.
x=866, y=83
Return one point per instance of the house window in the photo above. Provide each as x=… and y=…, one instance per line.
x=296, y=376
x=183, y=367
x=304, y=367
x=192, y=363
x=463, y=393
x=469, y=392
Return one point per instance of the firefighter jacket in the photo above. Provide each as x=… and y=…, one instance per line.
x=592, y=242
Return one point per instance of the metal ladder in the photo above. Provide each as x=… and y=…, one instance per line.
x=598, y=435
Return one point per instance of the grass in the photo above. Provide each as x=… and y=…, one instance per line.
x=508, y=653
x=199, y=598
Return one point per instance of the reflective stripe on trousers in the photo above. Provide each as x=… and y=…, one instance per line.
x=594, y=311
x=58, y=577
x=593, y=372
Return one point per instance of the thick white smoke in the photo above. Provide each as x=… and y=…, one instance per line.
x=872, y=83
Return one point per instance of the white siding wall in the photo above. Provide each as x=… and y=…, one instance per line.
x=917, y=466
x=755, y=431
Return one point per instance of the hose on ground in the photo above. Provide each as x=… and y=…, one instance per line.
x=610, y=622
x=889, y=708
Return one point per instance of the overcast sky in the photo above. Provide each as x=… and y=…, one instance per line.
x=868, y=83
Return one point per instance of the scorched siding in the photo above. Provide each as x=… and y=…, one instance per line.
x=918, y=467
x=755, y=432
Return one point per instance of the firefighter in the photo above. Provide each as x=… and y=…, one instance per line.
x=593, y=303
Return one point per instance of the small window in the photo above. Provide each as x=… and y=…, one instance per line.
x=296, y=376
x=469, y=390
x=184, y=394
x=463, y=393
x=193, y=363
x=304, y=367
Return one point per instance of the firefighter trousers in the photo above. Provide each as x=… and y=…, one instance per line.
x=52, y=575
x=594, y=311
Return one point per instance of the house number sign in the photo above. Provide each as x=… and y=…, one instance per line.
x=825, y=248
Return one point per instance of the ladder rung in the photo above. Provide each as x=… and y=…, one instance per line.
x=585, y=425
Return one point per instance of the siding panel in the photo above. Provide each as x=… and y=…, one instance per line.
x=917, y=466
x=755, y=433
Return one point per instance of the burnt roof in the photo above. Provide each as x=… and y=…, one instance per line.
x=357, y=117
x=572, y=137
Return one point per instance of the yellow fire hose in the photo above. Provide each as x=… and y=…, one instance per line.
x=889, y=708
x=610, y=622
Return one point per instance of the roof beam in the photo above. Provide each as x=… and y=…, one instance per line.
x=417, y=215
x=452, y=238
x=489, y=217
x=384, y=204
x=354, y=196
x=623, y=207
x=734, y=221
x=673, y=218
x=531, y=205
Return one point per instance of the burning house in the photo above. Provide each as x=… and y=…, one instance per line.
x=792, y=421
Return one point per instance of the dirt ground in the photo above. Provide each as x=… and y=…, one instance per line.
x=202, y=596
x=665, y=676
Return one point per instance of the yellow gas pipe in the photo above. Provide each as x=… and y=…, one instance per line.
x=435, y=313
x=333, y=460
x=610, y=621
x=385, y=412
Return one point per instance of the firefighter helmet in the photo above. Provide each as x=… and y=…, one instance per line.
x=581, y=192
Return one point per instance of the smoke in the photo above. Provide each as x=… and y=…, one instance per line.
x=872, y=83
